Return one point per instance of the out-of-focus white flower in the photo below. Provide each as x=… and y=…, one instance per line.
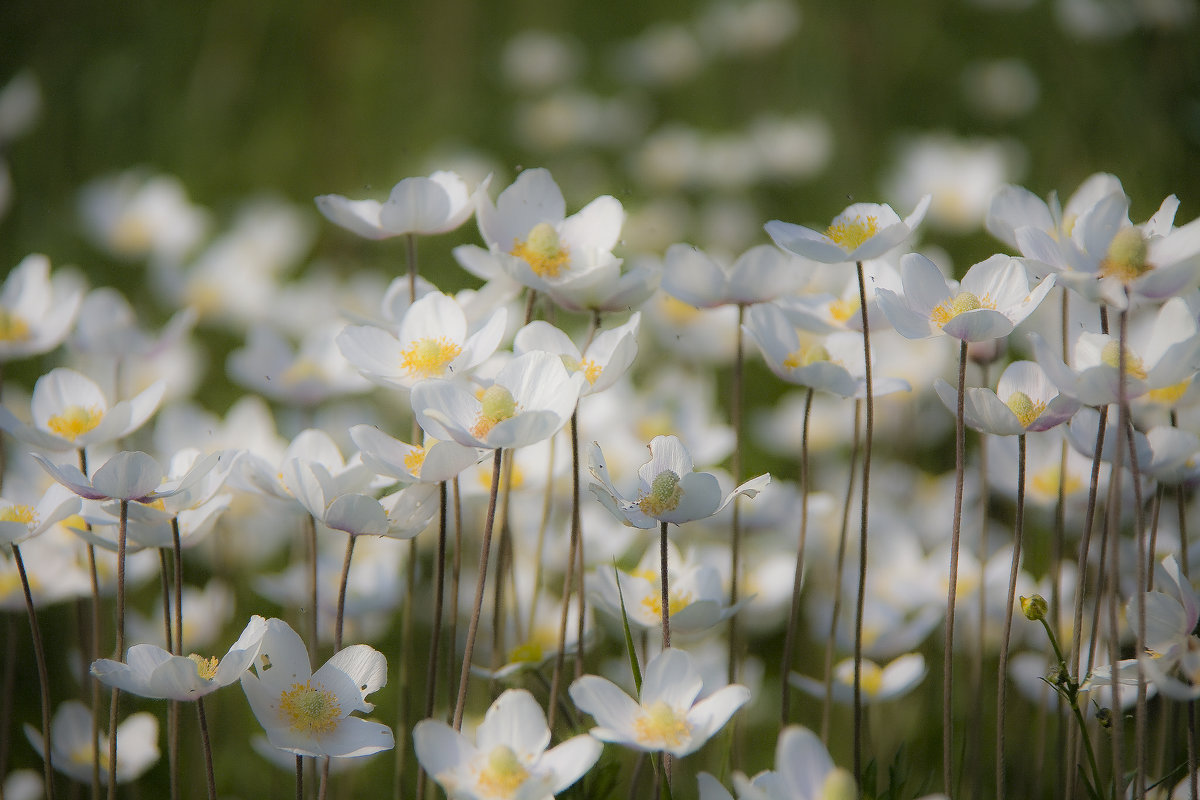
x=36, y=311
x=860, y=232
x=307, y=375
x=21, y=521
x=1002, y=89
x=608, y=356
x=893, y=680
x=536, y=60
x=136, y=215
x=436, y=204
x=960, y=174
x=747, y=28
x=74, y=751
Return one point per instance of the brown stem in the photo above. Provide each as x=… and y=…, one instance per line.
x=952, y=588
x=789, y=641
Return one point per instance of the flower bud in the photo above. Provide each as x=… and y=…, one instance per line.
x=1034, y=608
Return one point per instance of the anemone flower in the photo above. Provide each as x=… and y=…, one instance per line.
x=508, y=757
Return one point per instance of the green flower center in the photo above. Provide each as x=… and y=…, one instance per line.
x=663, y=496
x=1126, y=256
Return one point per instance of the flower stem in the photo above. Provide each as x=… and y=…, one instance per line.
x=39, y=652
x=209, y=775
x=735, y=548
x=864, y=506
x=313, y=598
x=341, y=601
x=666, y=594
x=435, y=636
x=172, y=706
x=569, y=577
x=952, y=585
x=473, y=627
x=789, y=641
x=114, y=702
x=1002, y=672
x=831, y=639
x=299, y=777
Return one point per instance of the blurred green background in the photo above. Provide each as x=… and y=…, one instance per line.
x=303, y=98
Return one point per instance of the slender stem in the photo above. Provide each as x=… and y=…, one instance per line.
x=39, y=651
x=831, y=639
x=666, y=593
x=407, y=661
x=435, y=636
x=313, y=597
x=172, y=706
x=1002, y=672
x=864, y=506
x=120, y=650
x=341, y=601
x=789, y=641
x=411, y=242
x=569, y=577
x=735, y=548
x=455, y=574
x=177, y=557
x=299, y=777
x=323, y=787
x=952, y=587
x=164, y=569
x=209, y=775
x=480, y=583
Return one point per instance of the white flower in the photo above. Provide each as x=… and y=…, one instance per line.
x=862, y=231
x=542, y=248
x=761, y=273
x=530, y=399
x=308, y=713
x=1024, y=400
x=508, y=759
x=73, y=749
x=69, y=411
x=608, y=356
x=431, y=341
x=670, y=490
x=893, y=680
x=992, y=299
x=436, y=204
x=36, y=312
x=666, y=717
x=150, y=671
x=20, y=521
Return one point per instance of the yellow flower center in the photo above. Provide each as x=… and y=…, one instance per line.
x=961, y=302
x=1025, y=409
x=660, y=727
x=1045, y=482
x=848, y=233
x=678, y=312
x=543, y=251
x=1170, y=395
x=131, y=236
x=806, y=356
x=503, y=774
x=83, y=755
x=309, y=710
x=300, y=370
x=534, y=649
x=663, y=496
x=843, y=310
x=590, y=369
x=428, y=357
x=839, y=785
x=19, y=513
x=1111, y=355
x=1126, y=256
x=75, y=421
x=13, y=327
x=205, y=667
x=677, y=601
x=496, y=405
x=414, y=458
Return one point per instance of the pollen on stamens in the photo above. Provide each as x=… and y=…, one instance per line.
x=1024, y=408
x=849, y=233
x=75, y=421
x=805, y=356
x=308, y=709
x=1111, y=356
x=871, y=676
x=590, y=369
x=664, y=495
x=206, y=668
x=414, y=458
x=428, y=357
x=13, y=327
x=502, y=774
x=496, y=405
x=949, y=309
x=26, y=515
x=543, y=251
x=677, y=601
x=660, y=727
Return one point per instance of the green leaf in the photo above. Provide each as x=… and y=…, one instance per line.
x=633, y=662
